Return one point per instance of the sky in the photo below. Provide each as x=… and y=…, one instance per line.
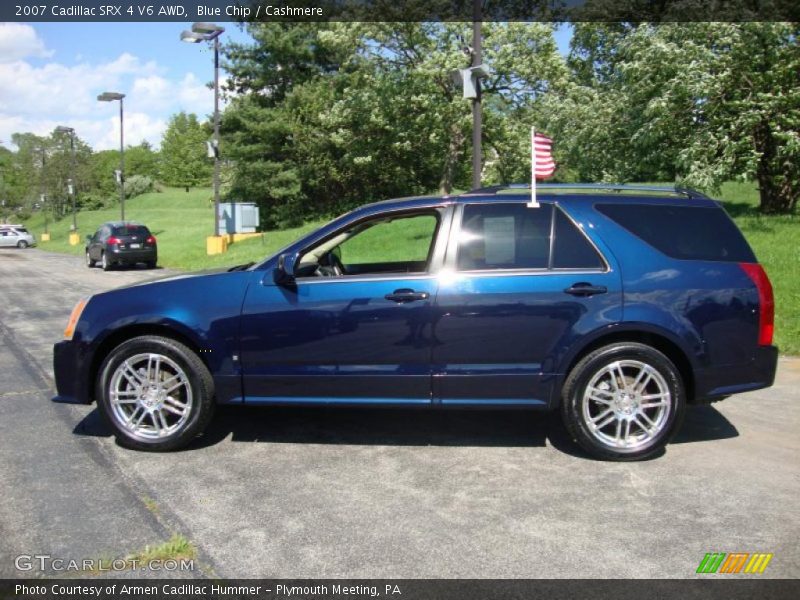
x=51, y=74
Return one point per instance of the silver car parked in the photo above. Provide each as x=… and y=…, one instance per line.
x=16, y=236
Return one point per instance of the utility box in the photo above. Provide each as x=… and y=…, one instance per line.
x=238, y=217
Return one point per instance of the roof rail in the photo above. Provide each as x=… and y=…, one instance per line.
x=677, y=190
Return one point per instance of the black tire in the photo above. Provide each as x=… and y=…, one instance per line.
x=151, y=264
x=90, y=262
x=653, y=413
x=198, y=395
x=22, y=244
x=106, y=264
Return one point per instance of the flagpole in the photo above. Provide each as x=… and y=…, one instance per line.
x=533, y=203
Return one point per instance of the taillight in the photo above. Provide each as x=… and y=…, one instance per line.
x=766, y=302
x=151, y=239
x=112, y=240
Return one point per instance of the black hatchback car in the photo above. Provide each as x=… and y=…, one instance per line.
x=121, y=243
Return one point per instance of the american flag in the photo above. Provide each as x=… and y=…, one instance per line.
x=542, y=163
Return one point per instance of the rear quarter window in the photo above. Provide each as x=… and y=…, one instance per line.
x=683, y=232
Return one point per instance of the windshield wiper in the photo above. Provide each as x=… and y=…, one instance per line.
x=243, y=267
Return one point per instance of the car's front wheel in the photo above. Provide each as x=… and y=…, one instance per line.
x=22, y=244
x=89, y=260
x=156, y=393
x=623, y=401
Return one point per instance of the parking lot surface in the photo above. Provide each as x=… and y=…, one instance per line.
x=284, y=492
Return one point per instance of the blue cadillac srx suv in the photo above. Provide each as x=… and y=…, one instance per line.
x=616, y=305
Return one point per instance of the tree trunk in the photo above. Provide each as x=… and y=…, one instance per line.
x=777, y=185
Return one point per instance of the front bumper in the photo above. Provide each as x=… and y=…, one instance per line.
x=70, y=367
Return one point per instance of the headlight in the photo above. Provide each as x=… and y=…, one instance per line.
x=73, y=318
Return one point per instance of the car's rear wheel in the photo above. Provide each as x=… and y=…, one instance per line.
x=104, y=262
x=22, y=244
x=156, y=393
x=89, y=260
x=623, y=401
x=151, y=264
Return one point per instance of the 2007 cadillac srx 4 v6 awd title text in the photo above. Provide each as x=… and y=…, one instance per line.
x=618, y=305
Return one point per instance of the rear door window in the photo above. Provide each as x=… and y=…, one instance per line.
x=516, y=236
x=571, y=249
x=504, y=236
x=683, y=232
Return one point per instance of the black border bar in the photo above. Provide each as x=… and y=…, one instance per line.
x=399, y=10
x=710, y=587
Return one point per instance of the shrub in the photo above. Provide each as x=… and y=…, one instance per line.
x=136, y=185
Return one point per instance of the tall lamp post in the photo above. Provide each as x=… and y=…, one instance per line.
x=43, y=197
x=110, y=97
x=73, y=238
x=206, y=32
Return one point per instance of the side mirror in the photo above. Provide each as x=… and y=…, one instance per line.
x=89, y=237
x=284, y=271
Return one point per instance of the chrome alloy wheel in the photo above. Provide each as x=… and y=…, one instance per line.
x=626, y=404
x=150, y=396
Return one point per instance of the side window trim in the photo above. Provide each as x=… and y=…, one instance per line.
x=451, y=256
x=444, y=216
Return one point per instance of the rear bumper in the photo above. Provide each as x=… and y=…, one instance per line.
x=133, y=256
x=70, y=367
x=716, y=382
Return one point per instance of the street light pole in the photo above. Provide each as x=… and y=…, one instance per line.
x=43, y=197
x=121, y=163
x=72, y=184
x=109, y=97
x=204, y=32
x=216, y=135
x=477, y=125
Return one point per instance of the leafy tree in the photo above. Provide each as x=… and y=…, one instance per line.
x=334, y=115
x=184, y=160
x=698, y=102
x=13, y=190
x=142, y=160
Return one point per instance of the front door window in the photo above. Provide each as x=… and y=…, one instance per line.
x=389, y=244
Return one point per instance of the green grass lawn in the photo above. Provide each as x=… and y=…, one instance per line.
x=181, y=221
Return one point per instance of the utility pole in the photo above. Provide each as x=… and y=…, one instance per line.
x=71, y=181
x=43, y=196
x=477, y=124
x=121, y=163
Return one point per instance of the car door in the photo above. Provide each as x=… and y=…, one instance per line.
x=525, y=283
x=362, y=335
x=96, y=244
x=6, y=239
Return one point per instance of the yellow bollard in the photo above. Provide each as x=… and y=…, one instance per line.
x=45, y=237
x=74, y=238
x=216, y=244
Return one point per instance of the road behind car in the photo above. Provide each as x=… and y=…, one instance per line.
x=380, y=493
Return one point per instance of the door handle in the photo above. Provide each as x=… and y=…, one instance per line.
x=585, y=289
x=406, y=295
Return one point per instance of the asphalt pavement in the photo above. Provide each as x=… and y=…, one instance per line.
x=356, y=493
